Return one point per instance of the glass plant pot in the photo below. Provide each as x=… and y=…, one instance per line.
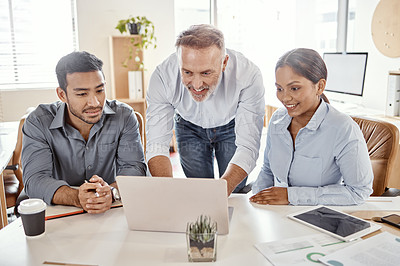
x=201, y=247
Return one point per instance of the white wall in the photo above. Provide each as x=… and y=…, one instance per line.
x=378, y=65
x=13, y=104
x=96, y=22
x=97, y=19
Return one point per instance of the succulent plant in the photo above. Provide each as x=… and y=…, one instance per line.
x=203, y=230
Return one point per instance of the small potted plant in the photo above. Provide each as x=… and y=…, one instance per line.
x=143, y=27
x=201, y=239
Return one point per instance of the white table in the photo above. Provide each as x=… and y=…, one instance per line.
x=104, y=239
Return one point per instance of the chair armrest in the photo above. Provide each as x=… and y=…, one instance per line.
x=13, y=167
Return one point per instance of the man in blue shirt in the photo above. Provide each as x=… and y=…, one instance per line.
x=217, y=97
x=83, y=141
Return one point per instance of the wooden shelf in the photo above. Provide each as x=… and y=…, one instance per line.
x=127, y=100
x=119, y=51
x=137, y=104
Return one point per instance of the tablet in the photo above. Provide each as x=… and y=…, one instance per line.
x=335, y=223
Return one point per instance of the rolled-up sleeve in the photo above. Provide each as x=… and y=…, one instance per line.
x=159, y=118
x=37, y=163
x=55, y=154
x=249, y=122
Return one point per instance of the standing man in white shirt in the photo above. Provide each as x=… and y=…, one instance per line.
x=216, y=97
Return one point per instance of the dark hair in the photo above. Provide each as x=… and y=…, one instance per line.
x=76, y=62
x=201, y=36
x=307, y=63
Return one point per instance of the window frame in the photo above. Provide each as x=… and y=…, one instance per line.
x=15, y=52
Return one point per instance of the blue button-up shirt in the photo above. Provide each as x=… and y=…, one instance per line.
x=329, y=164
x=55, y=153
x=239, y=95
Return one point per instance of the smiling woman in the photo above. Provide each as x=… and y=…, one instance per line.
x=314, y=154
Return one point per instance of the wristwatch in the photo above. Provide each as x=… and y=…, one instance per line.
x=115, y=194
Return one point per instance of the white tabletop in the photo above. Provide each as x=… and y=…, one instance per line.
x=8, y=139
x=104, y=239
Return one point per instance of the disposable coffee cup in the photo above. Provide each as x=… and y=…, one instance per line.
x=32, y=213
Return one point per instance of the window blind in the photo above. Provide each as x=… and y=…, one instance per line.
x=34, y=35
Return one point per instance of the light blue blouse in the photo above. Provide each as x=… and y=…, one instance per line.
x=329, y=165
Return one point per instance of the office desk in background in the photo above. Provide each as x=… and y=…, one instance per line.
x=104, y=239
x=8, y=139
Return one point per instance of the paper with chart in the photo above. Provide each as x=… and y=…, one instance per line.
x=382, y=249
x=304, y=250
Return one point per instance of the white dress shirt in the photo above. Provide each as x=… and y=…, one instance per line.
x=330, y=164
x=239, y=95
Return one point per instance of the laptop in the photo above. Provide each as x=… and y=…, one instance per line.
x=168, y=204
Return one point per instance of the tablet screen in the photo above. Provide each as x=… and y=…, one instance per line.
x=333, y=221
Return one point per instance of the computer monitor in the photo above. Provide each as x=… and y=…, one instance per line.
x=346, y=72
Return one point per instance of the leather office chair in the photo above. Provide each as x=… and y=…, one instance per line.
x=13, y=184
x=382, y=140
x=141, y=127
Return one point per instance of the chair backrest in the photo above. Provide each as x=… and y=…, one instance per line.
x=16, y=159
x=16, y=166
x=382, y=140
x=141, y=127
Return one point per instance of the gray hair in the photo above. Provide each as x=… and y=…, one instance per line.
x=201, y=36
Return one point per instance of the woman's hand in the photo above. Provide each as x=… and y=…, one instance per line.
x=272, y=196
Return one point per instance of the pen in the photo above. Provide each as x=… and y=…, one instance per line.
x=95, y=192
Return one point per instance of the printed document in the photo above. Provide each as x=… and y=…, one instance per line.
x=306, y=250
x=382, y=249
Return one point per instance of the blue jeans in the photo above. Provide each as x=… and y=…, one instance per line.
x=198, y=146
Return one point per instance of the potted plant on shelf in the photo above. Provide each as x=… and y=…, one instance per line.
x=201, y=239
x=143, y=27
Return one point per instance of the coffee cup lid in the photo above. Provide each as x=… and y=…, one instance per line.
x=29, y=206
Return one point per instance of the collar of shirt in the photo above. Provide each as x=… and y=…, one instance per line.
x=283, y=122
x=238, y=83
x=318, y=116
x=59, y=119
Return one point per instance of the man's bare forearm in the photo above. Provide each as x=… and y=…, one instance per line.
x=233, y=175
x=160, y=166
x=66, y=196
